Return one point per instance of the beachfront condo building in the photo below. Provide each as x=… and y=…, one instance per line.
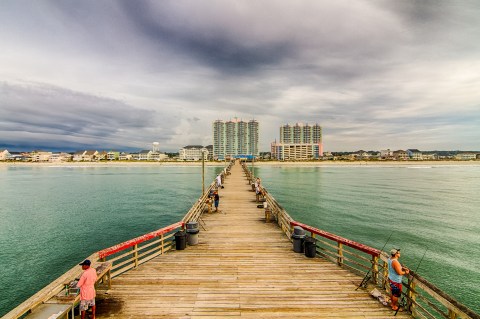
x=193, y=153
x=298, y=142
x=235, y=139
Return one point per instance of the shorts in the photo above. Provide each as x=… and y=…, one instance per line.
x=84, y=304
x=216, y=203
x=396, y=288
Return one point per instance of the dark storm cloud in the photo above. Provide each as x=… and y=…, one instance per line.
x=42, y=109
x=218, y=47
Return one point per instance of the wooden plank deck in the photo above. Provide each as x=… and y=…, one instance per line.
x=242, y=267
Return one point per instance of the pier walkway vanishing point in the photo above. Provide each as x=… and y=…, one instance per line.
x=242, y=267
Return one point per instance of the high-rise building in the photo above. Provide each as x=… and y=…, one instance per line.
x=301, y=134
x=235, y=138
x=298, y=142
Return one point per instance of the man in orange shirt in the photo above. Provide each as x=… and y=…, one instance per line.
x=87, y=288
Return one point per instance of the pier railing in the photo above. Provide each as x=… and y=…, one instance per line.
x=420, y=297
x=134, y=252
x=346, y=253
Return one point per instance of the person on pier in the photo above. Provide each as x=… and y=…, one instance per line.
x=219, y=181
x=87, y=288
x=216, y=199
x=258, y=189
x=395, y=276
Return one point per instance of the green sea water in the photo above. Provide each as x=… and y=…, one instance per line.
x=53, y=217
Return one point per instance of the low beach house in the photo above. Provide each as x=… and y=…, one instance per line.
x=400, y=155
x=90, y=155
x=124, y=156
x=78, y=156
x=466, y=156
x=40, y=156
x=4, y=155
x=144, y=155
x=414, y=154
x=60, y=157
x=113, y=155
x=87, y=156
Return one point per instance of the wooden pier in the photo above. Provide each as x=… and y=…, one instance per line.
x=242, y=267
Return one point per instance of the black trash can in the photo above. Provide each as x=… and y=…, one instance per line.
x=180, y=240
x=310, y=247
x=298, y=238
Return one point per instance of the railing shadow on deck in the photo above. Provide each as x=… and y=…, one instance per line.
x=421, y=298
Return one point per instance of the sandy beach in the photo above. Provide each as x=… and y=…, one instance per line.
x=258, y=163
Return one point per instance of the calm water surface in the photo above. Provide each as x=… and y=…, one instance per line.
x=53, y=217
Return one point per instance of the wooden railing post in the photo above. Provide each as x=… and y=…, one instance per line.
x=109, y=278
x=340, y=254
x=451, y=314
x=412, y=295
x=103, y=278
x=135, y=255
x=162, y=242
x=375, y=269
x=385, y=275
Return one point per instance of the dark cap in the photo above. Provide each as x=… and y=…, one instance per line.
x=394, y=251
x=86, y=262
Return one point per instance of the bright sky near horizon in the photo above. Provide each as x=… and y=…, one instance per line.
x=123, y=74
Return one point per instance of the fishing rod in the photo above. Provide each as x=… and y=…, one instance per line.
x=402, y=302
x=367, y=276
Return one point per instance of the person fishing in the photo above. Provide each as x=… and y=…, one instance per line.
x=87, y=288
x=395, y=276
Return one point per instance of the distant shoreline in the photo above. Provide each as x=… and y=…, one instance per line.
x=260, y=163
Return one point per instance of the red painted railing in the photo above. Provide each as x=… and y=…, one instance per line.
x=347, y=242
x=135, y=241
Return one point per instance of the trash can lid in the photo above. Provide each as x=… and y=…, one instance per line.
x=180, y=234
x=298, y=236
x=191, y=225
x=297, y=230
x=193, y=231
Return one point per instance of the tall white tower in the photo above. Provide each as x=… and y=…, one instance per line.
x=156, y=147
x=235, y=137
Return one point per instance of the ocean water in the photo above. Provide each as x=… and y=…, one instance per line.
x=53, y=217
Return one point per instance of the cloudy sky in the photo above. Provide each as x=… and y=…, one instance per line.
x=123, y=74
